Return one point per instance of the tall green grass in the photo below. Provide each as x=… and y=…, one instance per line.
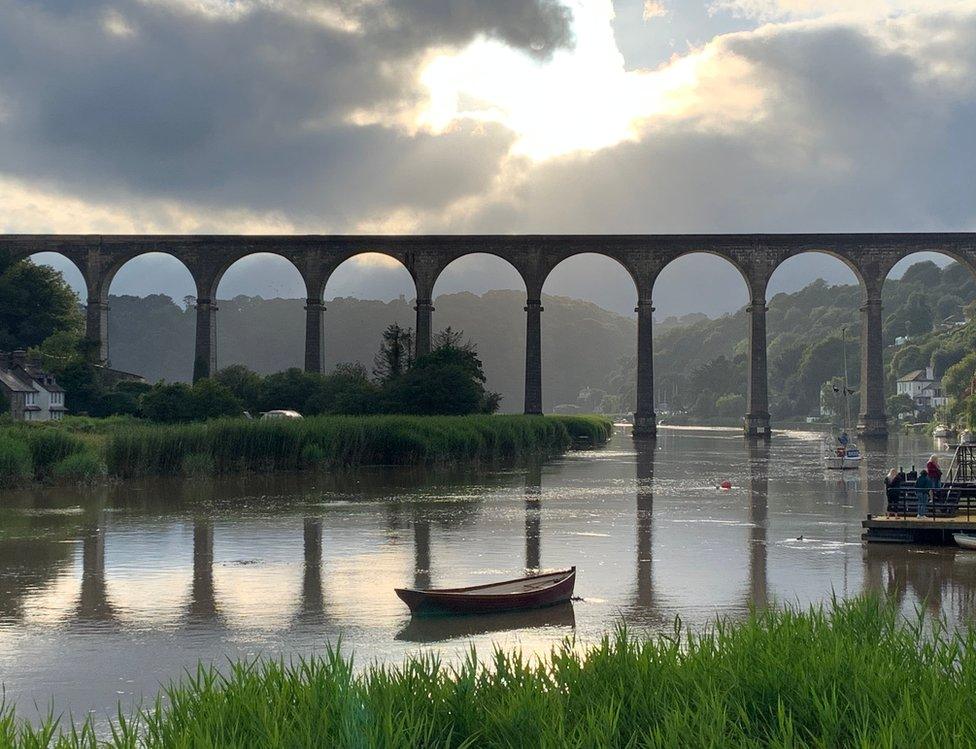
x=285, y=444
x=851, y=674
x=129, y=449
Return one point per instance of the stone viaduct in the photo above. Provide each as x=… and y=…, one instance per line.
x=756, y=256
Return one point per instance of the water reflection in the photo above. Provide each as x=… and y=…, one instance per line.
x=312, y=607
x=203, y=599
x=758, y=518
x=93, y=603
x=644, y=607
x=421, y=548
x=137, y=581
x=432, y=629
x=533, y=518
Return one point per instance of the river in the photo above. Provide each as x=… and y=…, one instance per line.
x=107, y=593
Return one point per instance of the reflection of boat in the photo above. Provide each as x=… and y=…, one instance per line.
x=965, y=540
x=523, y=593
x=440, y=628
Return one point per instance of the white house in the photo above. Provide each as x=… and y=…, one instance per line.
x=32, y=394
x=922, y=387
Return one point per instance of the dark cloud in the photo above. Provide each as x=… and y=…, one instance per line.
x=250, y=109
x=861, y=132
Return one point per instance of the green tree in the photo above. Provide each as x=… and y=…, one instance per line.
x=211, y=400
x=924, y=275
x=35, y=303
x=176, y=402
x=168, y=403
x=289, y=389
x=959, y=376
x=731, y=405
x=899, y=405
x=448, y=380
x=395, y=355
x=345, y=390
x=245, y=384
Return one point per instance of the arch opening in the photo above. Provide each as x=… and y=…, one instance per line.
x=927, y=300
x=150, y=318
x=589, y=335
x=364, y=295
x=813, y=323
x=260, y=314
x=482, y=296
x=701, y=340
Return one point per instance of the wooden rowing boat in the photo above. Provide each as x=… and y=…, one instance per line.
x=530, y=592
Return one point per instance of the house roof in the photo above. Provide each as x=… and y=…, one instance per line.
x=44, y=379
x=919, y=375
x=15, y=383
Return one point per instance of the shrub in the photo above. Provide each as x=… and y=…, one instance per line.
x=15, y=461
x=80, y=466
x=50, y=445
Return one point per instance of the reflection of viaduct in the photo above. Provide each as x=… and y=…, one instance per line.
x=645, y=605
x=870, y=257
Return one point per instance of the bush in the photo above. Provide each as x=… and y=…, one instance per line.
x=15, y=461
x=80, y=466
x=50, y=445
x=177, y=402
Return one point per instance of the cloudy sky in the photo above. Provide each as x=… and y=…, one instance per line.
x=395, y=116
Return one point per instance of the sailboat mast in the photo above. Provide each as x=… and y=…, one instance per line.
x=847, y=403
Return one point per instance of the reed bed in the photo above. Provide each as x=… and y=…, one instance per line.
x=849, y=674
x=127, y=449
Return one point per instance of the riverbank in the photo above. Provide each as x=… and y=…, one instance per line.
x=854, y=674
x=92, y=450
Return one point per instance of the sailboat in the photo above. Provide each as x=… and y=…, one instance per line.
x=841, y=452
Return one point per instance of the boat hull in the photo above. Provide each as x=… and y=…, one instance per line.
x=481, y=600
x=965, y=540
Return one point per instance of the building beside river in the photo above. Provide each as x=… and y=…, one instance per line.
x=923, y=388
x=31, y=393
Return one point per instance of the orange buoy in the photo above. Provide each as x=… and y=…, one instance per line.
x=725, y=484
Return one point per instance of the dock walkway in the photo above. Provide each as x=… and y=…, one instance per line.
x=906, y=529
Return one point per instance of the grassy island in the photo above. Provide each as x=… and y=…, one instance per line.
x=87, y=449
x=854, y=674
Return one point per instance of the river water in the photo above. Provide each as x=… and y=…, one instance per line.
x=107, y=593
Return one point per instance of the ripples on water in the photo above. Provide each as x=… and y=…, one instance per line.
x=104, y=594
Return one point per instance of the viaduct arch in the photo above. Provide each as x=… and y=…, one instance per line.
x=870, y=256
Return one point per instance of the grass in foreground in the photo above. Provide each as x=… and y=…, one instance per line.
x=854, y=674
x=123, y=449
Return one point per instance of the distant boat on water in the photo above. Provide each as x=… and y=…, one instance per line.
x=842, y=453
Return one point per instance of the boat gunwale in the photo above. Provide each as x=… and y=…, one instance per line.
x=559, y=575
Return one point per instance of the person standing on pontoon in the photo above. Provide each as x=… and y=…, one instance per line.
x=893, y=482
x=934, y=471
x=923, y=488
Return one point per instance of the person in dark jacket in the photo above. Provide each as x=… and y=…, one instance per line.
x=923, y=490
x=934, y=471
x=893, y=482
